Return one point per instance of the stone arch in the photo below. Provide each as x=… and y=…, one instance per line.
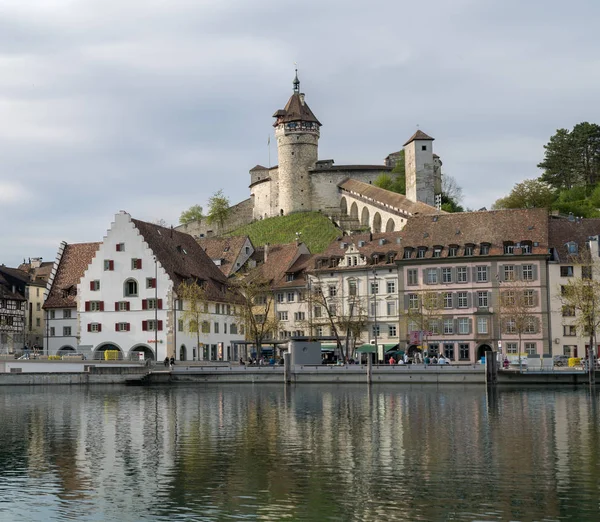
x=365, y=217
x=106, y=346
x=390, y=225
x=344, y=206
x=148, y=352
x=65, y=350
x=376, y=223
x=182, y=353
x=354, y=210
x=481, y=349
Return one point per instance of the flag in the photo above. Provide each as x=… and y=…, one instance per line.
x=269, y=140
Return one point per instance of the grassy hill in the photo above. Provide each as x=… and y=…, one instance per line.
x=316, y=230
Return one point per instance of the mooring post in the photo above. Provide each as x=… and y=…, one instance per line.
x=491, y=368
x=287, y=368
x=369, y=368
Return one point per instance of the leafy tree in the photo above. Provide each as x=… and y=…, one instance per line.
x=531, y=193
x=218, y=208
x=195, y=307
x=194, y=213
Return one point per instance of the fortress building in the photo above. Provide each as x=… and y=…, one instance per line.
x=301, y=182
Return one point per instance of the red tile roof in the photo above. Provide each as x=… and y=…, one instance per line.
x=295, y=110
x=564, y=230
x=419, y=135
x=226, y=249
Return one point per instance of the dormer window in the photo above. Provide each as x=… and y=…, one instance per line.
x=484, y=249
x=421, y=251
x=509, y=247
x=572, y=248
x=407, y=253
x=526, y=247
x=437, y=251
x=452, y=250
x=469, y=250
x=289, y=277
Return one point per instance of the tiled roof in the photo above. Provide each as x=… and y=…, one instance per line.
x=298, y=269
x=73, y=264
x=258, y=167
x=473, y=228
x=40, y=273
x=563, y=230
x=279, y=260
x=295, y=110
x=227, y=249
x=386, y=197
x=182, y=258
x=6, y=290
x=419, y=135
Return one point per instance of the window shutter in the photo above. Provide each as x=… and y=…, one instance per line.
x=455, y=325
x=154, y=282
x=99, y=327
x=160, y=304
x=87, y=306
x=128, y=327
x=489, y=299
x=144, y=326
x=118, y=247
x=474, y=272
x=91, y=285
x=470, y=326
x=535, y=272
x=116, y=327
x=102, y=306
x=89, y=327
x=128, y=306
x=453, y=274
x=116, y=306
x=535, y=298
x=111, y=264
x=501, y=274
x=406, y=301
x=159, y=326
x=454, y=299
x=439, y=275
x=518, y=272
x=139, y=264
x=424, y=276
x=144, y=304
x=469, y=302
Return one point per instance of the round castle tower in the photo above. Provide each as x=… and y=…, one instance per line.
x=297, y=133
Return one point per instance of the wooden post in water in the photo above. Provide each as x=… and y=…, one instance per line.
x=491, y=368
x=287, y=367
x=369, y=368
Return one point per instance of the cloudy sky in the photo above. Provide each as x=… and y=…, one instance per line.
x=150, y=106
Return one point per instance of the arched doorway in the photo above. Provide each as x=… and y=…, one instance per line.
x=482, y=349
x=377, y=222
x=354, y=210
x=390, y=226
x=182, y=353
x=148, y=352
x=344, y=207
x=415, y=353
x=100, y=351
x=364, y=217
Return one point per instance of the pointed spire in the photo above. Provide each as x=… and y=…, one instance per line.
x=296, y=82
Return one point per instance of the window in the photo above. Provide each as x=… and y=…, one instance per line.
x=482, y=299
x=121, y=327
x=374, y=287
x=511, y=326
x=530, y=325
x=412, y=277
x=433, y=326
x=508, y=298
x=527, y=272
x=94, y=327
x=432, y=276
x=586, y=272
x=120, y=247
x=392, y=332
x=469, y=250
x=529, y=297
x=463, y=352
x=530, y=348
x=95, y=285
x=333, y=309
x=224, y=328
x=446, y=275
x=180, y=325
x=152, y=304
x=412, y=326
x=526, y=247
x=66, y=331
x=509, y=247
x=566, y=271
x=52, y=314
x=447, y=299
x=233, y=329
x=67, y=313
x=216, y=327
x=150, y=282
x=291, y=296
x=421, y=251
x=299, y=316
x=482, y=325
x=509, y=272
x=572, y=248
x=352, y=287
x=423, y=147
x=512, y=348
x=463, y=301
x=569, y=350
x=569, y=330
x=282, y=316
x=463, y=325
x=413, y=301
x=317, y=311
x=484, y=249
x=289, y=277
x=94, y=306
x=320, y=331
x=280, y=298
x=374, y=308
x=448, y=326
x=130, y=288
x=375, y=330
x=391, y=308
x=568, y=311
x=52, y=331
x=437, y=251
x=452, y=250
x=38, y=307
x=38, y=321
x=109, y=264
x=407, y=253
x=152, y=325
x=136, y=264
x=482, y=274
x=461, y=274
x=260, y=299
x=391, y=287
x=332, y=292
x=206, y=324
x=449, y=351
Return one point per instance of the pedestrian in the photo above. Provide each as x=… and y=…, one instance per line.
x=171, y=362
x=434, y=360
x=241, y=362
x=405, y=358
x=505, y=363
x=166, y=361
x=392, y=360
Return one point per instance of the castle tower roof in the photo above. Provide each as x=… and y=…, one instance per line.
x=296, y=109
x=418, y=136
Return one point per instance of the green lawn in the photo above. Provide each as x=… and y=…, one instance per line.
x=315, y=230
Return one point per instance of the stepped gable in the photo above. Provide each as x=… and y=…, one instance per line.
x=418, y=136
x=73, y=264
x=564, y=230
x=182, y=258
x=473, y=228
x=395, y=201
x=295, y=110
x=227, y=249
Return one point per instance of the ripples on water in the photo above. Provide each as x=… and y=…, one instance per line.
x=306, y=453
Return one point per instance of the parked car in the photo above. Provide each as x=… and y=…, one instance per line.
x=561, y=360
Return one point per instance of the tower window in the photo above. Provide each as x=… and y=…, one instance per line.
x=423, y=147
x=292, y=153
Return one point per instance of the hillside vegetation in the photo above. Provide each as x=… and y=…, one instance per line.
x=316, y=231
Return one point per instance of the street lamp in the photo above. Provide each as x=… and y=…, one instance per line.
x=373, y=291
x=156, y=309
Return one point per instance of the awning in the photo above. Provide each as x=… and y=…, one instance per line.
x=370, y=348
x=328, y=347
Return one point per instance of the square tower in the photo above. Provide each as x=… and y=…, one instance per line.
x=421, y=182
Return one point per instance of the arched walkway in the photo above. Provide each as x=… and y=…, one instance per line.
x=344, y=206
x=377, y=222
x=183, y=353
x=148, y=352
x=364, y=217
x=354, y=210
x=99, y=352
x=390, y=226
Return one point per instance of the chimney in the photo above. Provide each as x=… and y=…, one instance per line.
x=266, y=251
x=302, y=98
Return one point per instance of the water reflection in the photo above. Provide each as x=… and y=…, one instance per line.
x=306, y=453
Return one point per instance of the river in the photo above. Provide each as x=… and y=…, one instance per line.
x=339, y=453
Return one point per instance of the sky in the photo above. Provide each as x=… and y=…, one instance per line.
x=151, y=106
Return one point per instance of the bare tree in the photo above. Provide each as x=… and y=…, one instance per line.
x=195, y=308
x=426, y=313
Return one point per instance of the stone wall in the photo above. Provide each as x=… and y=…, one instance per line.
x=240, y=215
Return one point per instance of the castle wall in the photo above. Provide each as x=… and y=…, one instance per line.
x=240, y=215
x=264, y=196
x=324, y=191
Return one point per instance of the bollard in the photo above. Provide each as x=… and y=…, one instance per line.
x=287, y=368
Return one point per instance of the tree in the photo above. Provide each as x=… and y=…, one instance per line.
x=531, y=193
x=255, y=311
x=218, y=208
x=515, y=311
x=161, y=222
x=582, y=296
x=426, y=314
x=194, y=213
x=452, y=194
x=193, y=294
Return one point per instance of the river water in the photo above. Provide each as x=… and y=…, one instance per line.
x=343, y=453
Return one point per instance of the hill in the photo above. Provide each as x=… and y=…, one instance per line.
x=316, y=231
